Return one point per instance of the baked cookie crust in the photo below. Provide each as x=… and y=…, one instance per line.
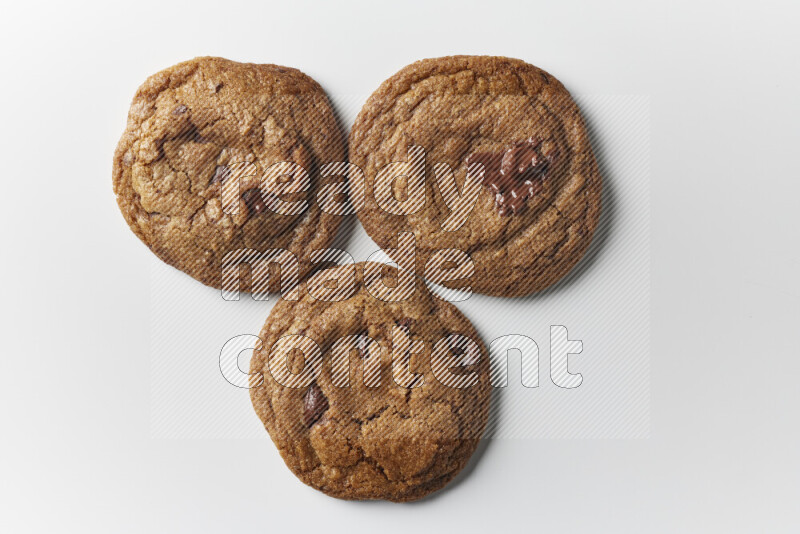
x=368, y=441
x=473, y=106
x=200, y=124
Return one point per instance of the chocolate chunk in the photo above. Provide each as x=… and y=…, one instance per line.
x=197, y=138
x=405, y=322
x=191, y=133
x=315, y=403
x=514, y=175
x=252, y=197
x=456, y=346
x=467, y=355
x=221, y=173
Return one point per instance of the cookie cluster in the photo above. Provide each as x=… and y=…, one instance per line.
x=473, y=172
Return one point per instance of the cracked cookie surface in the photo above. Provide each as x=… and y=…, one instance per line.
x=199, y=137
x=366, y=436
x=478, y=106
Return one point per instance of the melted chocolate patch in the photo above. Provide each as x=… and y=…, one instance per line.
x=514, y=175
x=315, y=403
x=255, y=203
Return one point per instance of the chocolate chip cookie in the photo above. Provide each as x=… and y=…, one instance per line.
x=219, y=163
x=508, y=175
x=369, y=398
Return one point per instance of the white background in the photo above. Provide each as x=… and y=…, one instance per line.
x=77, y=448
